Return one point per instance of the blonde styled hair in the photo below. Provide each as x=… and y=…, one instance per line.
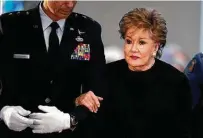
x=148, y=19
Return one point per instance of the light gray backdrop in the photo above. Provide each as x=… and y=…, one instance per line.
x=183, y=19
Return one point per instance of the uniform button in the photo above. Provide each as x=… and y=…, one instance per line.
x=47, y=100
x=51, y=81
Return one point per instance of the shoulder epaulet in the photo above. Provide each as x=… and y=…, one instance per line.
x=15, y=14
x=13, y=19
x=197, y=59
x=199, y=54
x=80, y=16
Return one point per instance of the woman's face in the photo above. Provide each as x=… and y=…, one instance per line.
x=139, y=49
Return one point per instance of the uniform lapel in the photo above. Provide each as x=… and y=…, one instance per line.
x=39, y=46
x=68, y=42
x=37, y=29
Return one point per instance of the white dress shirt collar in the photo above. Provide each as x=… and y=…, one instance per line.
x=46, y=20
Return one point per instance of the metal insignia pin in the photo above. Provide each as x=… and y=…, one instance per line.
x=35, y=26
x=84, y=17
x=79, y=39
x=79, y=32
x=191, y=67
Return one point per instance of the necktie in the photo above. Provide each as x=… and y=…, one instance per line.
x=53, y=50
x=53, y=42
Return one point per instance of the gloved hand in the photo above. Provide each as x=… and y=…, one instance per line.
x=53, y=120
x=14, y=117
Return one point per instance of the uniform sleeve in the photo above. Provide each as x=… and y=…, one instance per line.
x=95, y=80
x=5, y=95
x=95, y=77
x=1, y=86
x=194, y=73
x=183, y=120
x=94, y=73
x=1, y=31
x=2, y=92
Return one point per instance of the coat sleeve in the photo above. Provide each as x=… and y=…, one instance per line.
x=183, y=118
x=1, y=65
x=5, y=95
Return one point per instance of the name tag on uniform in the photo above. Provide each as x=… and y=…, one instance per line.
x=21, y=56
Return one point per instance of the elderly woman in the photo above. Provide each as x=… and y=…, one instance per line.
x=148, y=97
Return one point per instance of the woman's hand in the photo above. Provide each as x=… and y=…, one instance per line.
x=89, y=100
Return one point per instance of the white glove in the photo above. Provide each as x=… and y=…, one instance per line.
x=53, y=120
x=13, y=117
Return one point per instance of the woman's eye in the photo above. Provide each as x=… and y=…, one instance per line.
x=142, y=42
x=128, y=41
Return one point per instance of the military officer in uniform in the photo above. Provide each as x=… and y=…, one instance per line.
x=194, y=72
x=44, y=68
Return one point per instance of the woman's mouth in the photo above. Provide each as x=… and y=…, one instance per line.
x=134, y=57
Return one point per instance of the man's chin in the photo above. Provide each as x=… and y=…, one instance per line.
x=64, y=15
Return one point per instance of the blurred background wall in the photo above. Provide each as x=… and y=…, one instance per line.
x=183, y=22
